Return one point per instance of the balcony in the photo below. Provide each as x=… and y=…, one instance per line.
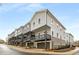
x=26, y=38
x=37, y=38
x=41, y=37
x=26, y=30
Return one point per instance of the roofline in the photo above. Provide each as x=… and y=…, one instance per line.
x=47, y=11
x=55, y=19
x=44, y=10
x=70, y=34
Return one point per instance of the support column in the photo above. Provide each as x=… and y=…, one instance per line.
x=26, y=44
x=51, y=45
x=35, y=44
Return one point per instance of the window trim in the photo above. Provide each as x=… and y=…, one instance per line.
x=33, y=23
x=52, y=33
x=57, y=35
x=39, y=20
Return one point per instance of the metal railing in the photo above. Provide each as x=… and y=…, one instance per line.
x=41, y=37
x=36, y=38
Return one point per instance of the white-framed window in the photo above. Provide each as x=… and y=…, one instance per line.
x=57, y=35
x=57, y=25
x=39, y=21
x=27, y=26
x=51, y=21
x=33, y=23
x=52, y=33
x=60, y=37
x=38, y=34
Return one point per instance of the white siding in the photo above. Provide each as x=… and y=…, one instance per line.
x=35, y=19
x=55, y=27
x=42, y=32
x=68, y=38
x=20, y=30
x=26, y=28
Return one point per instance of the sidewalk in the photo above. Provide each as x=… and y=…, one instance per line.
x=42, y=51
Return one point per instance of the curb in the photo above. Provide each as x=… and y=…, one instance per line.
x=39, y=51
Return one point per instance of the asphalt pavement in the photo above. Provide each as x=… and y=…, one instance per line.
x=5, y=50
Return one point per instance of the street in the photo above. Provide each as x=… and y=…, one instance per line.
x=5, y=50
x=76, y=53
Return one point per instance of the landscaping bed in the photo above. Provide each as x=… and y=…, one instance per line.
x=62, y=50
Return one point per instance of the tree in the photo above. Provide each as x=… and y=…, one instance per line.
x=1, y=41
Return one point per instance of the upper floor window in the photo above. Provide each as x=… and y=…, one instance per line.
x=52, y=20
x=52, y=33
x=60, y=37
x=39, y=35
x=39, y=20
x=60, y=28
x=57, y=34
x=57, y=25
x=27, y=26
x=33, y=23
x=45, y=32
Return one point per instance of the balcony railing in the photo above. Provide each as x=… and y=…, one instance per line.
x=41, y=37
x=26, y=30
x=36, y=38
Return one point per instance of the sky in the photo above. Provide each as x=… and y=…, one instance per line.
x=14, y=15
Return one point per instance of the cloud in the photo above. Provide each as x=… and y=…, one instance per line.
x=75, y=29
x=20, y=7
x=8, y=7
x=75, y=25
x=31, y=7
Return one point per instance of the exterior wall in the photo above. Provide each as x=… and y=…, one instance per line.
x=27, y=28
x=69, y=38
x=36, y=18
x=42, y=32
x=16, y=33
x=11, y=35
x=47, y=23
x=55, y=27
x=20, y=30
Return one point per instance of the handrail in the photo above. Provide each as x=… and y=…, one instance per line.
x=41, y=37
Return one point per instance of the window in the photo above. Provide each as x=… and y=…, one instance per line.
x=39, y=20
x=51, y=21
x=57, y=34
x=61, y=28
x=39, y=35
x=60, y=37
x=52, y=33
x=57, y=25
x=33, y=23
x=27, y=26
x=45, y=32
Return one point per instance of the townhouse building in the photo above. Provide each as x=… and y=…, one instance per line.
x=11, y=38
x=42, y=31
x=69, y=39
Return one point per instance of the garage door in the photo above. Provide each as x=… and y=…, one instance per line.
x=42, y=45
x=30, y=45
